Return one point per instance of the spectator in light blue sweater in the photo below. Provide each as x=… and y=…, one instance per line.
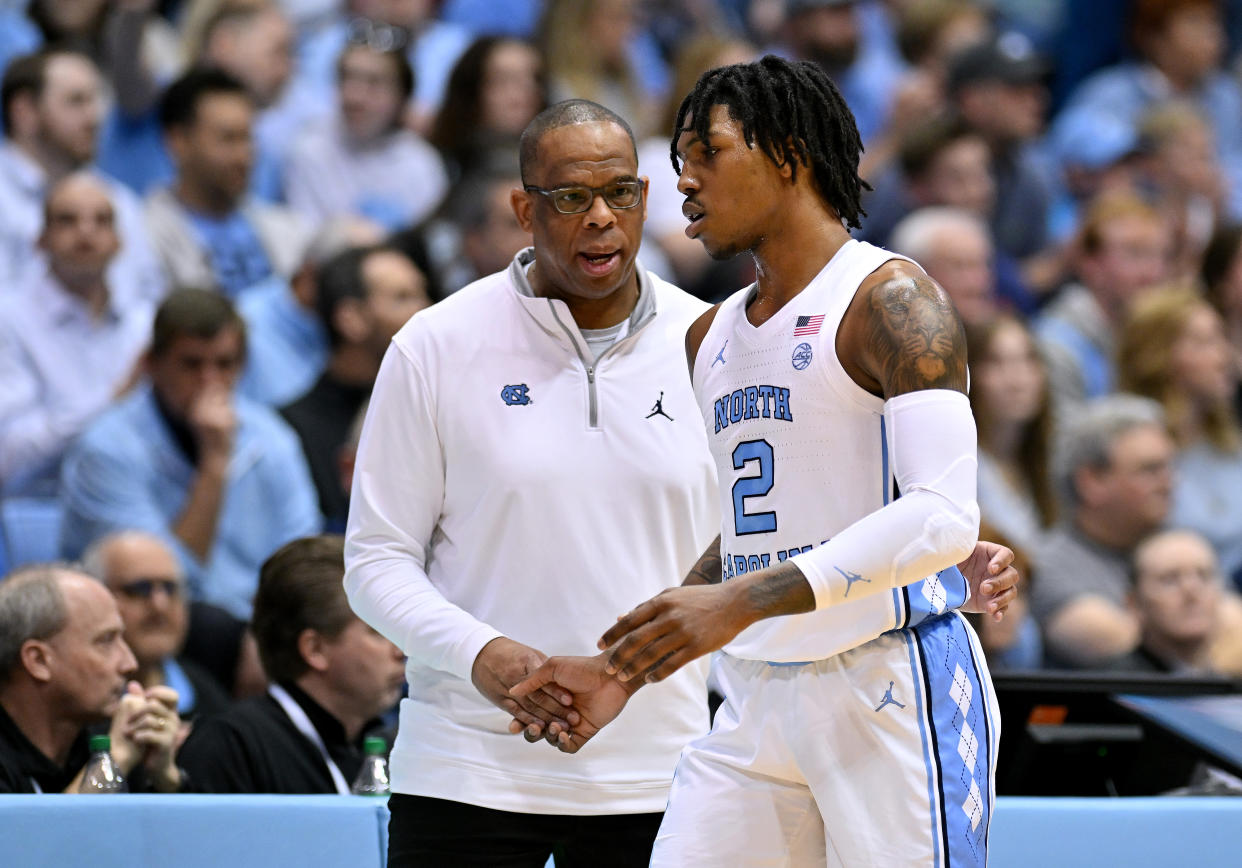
x=221, y=479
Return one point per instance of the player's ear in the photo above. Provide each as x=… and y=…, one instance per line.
x=785, y=167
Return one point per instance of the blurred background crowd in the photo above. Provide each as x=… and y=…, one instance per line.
x=215, y=214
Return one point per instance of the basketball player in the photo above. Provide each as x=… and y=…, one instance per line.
x=863, y=729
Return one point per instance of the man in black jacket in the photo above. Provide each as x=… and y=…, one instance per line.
x=331, y=676
x=64, y=666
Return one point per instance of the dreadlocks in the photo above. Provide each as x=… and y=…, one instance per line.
x=798, y=116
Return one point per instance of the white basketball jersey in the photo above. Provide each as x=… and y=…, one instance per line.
x=801, y=453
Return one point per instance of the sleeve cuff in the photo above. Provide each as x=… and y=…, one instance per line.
x=460, y=659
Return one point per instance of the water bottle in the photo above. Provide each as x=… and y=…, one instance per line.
x=372, y=778
x=101, y=774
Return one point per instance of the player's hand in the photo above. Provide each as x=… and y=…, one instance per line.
x=660, y=636
x=598, y=697
x=503, y=663
x=993, y=579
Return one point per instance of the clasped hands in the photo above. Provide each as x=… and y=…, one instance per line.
x=567, y=700
x=146, y=730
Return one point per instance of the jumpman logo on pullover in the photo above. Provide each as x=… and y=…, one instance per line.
x=658, y=409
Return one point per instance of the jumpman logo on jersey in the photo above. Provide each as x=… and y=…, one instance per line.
x=658, y=409
x=720, y=355
x=851, y=578
x=888, y=699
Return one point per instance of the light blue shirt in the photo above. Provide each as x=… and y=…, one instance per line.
x=234, y=250
x=1207, y=497
x=127, y=472
x=287, y=346
x=59, y=366
x=396, y=181
x=1123, y=93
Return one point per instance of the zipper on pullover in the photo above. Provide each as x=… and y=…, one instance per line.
x=573, y=334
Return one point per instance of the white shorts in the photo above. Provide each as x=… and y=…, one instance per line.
x=882, y=755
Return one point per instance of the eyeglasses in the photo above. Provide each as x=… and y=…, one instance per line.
x=576, y=200
x=376, y=35
x=144, y=589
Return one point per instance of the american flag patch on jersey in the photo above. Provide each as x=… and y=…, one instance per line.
x=808, y=325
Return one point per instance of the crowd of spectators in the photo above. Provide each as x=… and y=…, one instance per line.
x=215, y=214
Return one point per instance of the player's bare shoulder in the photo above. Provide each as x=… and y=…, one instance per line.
x=695, y=334
x=903, y=333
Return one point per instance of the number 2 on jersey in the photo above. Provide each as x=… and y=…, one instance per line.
x=752, y=486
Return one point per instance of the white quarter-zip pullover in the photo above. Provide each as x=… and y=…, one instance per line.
x=510, y=483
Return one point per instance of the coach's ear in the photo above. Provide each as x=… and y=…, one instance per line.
x=523, y=208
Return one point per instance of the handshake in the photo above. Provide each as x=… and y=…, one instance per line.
x=567, y=700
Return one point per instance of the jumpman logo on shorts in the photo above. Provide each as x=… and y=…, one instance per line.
x=888, y=699
x=851, y=578
x=720, y=355
x=658, y=409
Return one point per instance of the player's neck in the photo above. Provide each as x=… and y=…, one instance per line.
x=789, y=258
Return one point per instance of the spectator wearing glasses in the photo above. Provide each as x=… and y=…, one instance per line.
x=1115, y=474
x=147, y=581
x=431, y=45
x=64, y=666
x=363, y=160
x=1178, y=596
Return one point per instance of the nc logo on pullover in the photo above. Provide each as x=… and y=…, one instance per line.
x=515, y=396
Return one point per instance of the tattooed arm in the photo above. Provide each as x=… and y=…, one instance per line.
x=900, y=339
x=707, y=570
x=901, y=334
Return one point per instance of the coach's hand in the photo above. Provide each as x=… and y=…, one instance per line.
x=503, y=663
x=993, y=579
x=660, y=636
x=598, y=697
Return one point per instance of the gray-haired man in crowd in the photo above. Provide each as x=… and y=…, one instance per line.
x=1115, y=473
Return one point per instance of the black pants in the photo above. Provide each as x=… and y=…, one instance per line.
x=430, y=833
